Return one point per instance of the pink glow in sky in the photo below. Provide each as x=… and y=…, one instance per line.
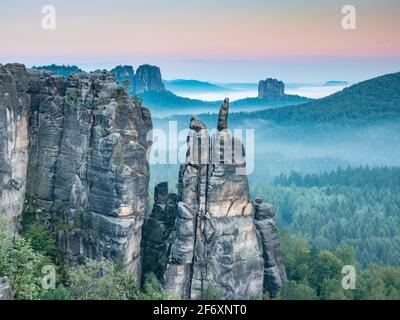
x=89, y=32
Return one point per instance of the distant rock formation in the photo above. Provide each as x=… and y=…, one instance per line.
x=5, y=290
x=77, y=149
x=125, y=76
x=270, y=89
x=148, y=79
x=216, y=244
x=62, y=70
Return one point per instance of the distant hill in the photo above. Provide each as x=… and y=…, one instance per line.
x=193, y=86
x=370, y=100
x=166, y=103
x=335, y=83
x=62, y=70
x=268, y=103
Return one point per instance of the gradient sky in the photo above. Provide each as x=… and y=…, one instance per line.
x=224, y=40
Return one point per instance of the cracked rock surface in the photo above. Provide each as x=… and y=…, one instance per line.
x=77, y=147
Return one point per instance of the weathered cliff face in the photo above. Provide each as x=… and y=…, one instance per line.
x=270, y=89
x=14, y=109
x=157, y=230
x=147, y=78
x=217, y=245
x=87, y=172
x=274, y=270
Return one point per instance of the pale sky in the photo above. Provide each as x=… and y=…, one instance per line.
x=235, y=40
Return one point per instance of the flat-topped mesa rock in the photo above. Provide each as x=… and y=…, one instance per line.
x=148, y=78
x=270, y=89
x=76, y=148
x=217, y=248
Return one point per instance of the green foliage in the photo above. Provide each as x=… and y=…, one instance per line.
x=20, y=264
x=355, y=177
x=97, y=280
x=119, y=159
x=101, y=280
x=378, y=283
x=293, y=290
x=314, y=274
x=212, y=292
x=41, y=239
x=72, y=96
x=59, y=293
x=152, y=289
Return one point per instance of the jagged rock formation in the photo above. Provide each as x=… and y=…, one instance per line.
x=14, y=140
x=77, y=149
x=221, y=241
x=270, y=89
x=274, y=271
x=148, y=78
x=157, y=230
x=5, y=290
x=124, y=75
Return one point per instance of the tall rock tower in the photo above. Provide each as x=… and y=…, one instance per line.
x=221, y=243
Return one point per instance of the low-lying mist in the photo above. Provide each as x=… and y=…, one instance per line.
x=305, y=149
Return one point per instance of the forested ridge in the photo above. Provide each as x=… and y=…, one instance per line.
x=359, y=207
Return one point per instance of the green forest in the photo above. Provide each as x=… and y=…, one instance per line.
x=359, y=207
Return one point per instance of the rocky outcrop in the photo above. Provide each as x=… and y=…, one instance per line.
x=77, y=148
x=270, y=89
x=274, y=271
x=5, y=290
x=14, y=140
x=157, y=230
x=148, y=78
x=217, y=246
x=125, y=76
